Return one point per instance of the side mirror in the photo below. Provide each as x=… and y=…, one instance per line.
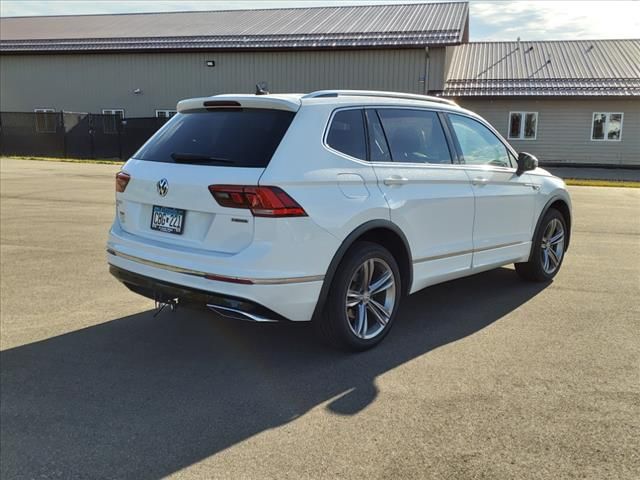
x=526, y=162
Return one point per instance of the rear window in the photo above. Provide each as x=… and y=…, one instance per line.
x=230, y=137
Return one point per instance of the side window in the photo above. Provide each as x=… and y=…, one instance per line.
x=165, y=113
x=414, y=136
x=478, y=144
x=606, y=126
x=346, y=133
x=378, y=147
x=523, y=125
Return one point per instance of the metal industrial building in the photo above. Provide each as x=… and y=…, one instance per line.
x=146, y=62
x=569, y=102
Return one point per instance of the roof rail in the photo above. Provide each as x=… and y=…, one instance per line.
x=375, y=93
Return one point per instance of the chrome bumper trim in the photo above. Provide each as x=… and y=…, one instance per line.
x=466, y=252
x=221, y=278
x=238, y=314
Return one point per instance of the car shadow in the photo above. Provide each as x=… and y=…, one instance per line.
x=143, y=397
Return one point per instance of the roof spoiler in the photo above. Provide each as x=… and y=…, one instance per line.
x=239, y=101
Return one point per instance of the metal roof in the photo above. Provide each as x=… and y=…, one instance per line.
x=575, y=67
x=317, y=27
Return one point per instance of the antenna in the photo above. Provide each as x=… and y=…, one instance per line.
x=262, y=88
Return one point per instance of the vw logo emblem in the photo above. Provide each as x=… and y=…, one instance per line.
x=163, y=187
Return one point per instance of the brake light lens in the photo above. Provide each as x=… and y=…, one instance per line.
x=262, y=201
x=122, y=180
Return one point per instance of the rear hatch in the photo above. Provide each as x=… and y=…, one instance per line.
x=209, y=142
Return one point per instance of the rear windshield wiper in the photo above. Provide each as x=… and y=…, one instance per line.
x=196, y=157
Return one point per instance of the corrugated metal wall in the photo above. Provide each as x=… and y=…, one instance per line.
x=564, y=128
x=91, y=82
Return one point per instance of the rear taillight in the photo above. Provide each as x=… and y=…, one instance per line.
x=122, y=180
x=262, y=201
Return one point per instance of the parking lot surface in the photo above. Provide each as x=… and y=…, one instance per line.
x=485, y=377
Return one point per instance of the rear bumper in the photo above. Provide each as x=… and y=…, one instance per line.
x=276, y=271
x=291, y=300
x=225, y=305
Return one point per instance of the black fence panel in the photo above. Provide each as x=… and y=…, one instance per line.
x=32, y=134
x=74, y=135
x=136, y=131
x=77, y=135
x=106, y=132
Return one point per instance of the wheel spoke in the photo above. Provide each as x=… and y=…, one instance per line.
x=362, y=327
x=551, y=229
x=353, y=298
x=379, y=311
x=385, y=282
x=545, y=257
x=554, y=258
x=557, y=238
x=369, y=267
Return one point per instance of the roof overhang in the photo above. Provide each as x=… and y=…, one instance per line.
x=284, y=42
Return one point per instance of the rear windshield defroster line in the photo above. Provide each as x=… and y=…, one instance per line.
x=245, y=137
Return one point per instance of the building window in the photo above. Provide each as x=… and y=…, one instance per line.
x=45, y=120
x=165, y=113
x=111, y=119
x=523, y=125
x=607, y=126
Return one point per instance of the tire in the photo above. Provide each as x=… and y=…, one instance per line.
x=359, y=320
x=546, y=257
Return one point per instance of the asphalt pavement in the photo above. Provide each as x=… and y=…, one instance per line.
x=487, y=377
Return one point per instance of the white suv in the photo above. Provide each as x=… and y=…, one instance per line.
x=328, y=207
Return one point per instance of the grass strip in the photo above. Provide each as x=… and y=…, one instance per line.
x=586, y=182
x=67, y=160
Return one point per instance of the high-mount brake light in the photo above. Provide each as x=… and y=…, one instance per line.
x=122, y=180
x=221, y=104
x=262, y=201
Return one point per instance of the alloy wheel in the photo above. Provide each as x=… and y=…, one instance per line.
x=370, y=299
x=552, y=246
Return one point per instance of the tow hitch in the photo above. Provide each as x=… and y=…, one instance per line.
x=160, y=303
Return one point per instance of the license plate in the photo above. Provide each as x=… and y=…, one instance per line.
x=167, y=219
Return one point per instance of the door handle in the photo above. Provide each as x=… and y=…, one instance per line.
x=480, y=181
x=395, y=180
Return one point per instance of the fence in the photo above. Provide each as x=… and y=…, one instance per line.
x=73, y=135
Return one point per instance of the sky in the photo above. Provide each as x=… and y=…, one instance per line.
x=489, y=19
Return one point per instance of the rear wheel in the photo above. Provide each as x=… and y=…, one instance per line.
x=547, y=251
x=363, y=298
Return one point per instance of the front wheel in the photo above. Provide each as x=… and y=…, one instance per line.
x=547, y=251
x=363, y=298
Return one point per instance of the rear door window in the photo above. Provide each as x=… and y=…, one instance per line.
x=346, y=133
x=224, y=137
x=415, y=136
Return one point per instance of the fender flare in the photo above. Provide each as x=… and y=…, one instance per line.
x=344, y=247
